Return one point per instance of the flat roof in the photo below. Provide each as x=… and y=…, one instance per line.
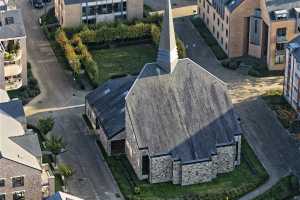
x=12, y=30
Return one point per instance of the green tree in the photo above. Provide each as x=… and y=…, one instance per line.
x=55, y=145
x=66, y=171
x=45, y=125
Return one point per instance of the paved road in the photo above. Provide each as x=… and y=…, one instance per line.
x=278, y=152
x=93, y=179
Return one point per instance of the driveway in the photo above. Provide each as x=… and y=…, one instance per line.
x=278, y=152
x=56, y=83
x=60, y=99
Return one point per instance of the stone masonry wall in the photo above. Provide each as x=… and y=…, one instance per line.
x=196, y=173
x=177, y=172
x=131, y=148
x=161, y=169
x=226, y=158
x=32, y=180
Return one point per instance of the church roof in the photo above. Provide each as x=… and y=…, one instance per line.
x=186, y=113
x=108, y=103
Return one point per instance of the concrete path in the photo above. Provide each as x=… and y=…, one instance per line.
x=278, y=152
x=59, y=98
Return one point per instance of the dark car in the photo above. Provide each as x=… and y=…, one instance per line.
x=38, y=4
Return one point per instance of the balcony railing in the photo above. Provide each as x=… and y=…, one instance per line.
x=281, y=39
x=13, y=83
x=12, y=58
x=12, y=70
x=280, y=52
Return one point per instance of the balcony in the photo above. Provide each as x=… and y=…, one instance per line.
x=12, y=57
x=13, y=83
x=48, y=181
x=281, y=39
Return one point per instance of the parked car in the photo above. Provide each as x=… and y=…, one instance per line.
x=38, y=4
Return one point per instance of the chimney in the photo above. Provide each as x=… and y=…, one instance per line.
x=167, y=57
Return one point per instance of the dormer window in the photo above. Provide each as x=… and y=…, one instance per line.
x=281, y=14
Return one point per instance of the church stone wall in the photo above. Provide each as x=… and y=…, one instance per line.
x=161, y=169
x=226, y=159
x=197, y=173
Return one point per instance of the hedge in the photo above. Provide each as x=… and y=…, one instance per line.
x=69, y=51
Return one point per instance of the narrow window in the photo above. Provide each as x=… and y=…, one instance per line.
x=2, y=182
x=145, y=165
x=236, y=151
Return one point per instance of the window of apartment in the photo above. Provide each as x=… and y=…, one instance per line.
x=2, y=196
x=280, y=46
x=222, y=27
x=226, y=46
x=204, y=3
x=92, y=10
x=218, y=21
x=9, y=20
x=2, y=182
x=18, y=181
x=279, y=59
x=218, y=35
x=222, y=40
x=19, y=195
x=203, y=16
x=117, y=7
x=226, y=32
x=213, y=29
x=101, y=9
x=281, y=32
x=207, y=9
x=227, y=19
x=214, y=16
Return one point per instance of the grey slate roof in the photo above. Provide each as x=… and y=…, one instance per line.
x=14, y=108
x=29, y=142
x=108, y=103
x=186, y=113
x=14, y=30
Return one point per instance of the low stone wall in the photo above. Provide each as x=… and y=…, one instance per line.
x=225, y=159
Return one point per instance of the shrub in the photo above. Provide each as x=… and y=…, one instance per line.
x=181, y=49
x=70, y=53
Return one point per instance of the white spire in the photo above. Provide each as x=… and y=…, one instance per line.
x=167, y=53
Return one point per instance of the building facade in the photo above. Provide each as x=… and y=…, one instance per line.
x=174, y=133
x=13, y=52
x=291, y=89
x=71, y=13
x=104, y=108
x=257, y=28
x=22, y=175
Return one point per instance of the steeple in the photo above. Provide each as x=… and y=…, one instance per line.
x=167, y=56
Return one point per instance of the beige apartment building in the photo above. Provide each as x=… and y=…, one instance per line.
x=22, y=175
x=72, y=13
x=259, y=28
x=13, y=55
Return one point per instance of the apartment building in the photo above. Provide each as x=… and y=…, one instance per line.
x=13, y=55
x=72, y=13
x=291, y=87
x=22, y=175
x=259, y=28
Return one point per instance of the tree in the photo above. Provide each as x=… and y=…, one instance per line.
x=45, y=125
x=66, y=171
x=55, y=145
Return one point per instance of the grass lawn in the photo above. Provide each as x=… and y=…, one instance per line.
x=285, y=113
x=249, y=175
x=120, y=61
x=286, y=188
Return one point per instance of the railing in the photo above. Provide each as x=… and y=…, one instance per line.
x=281, y=39
x=279, y=52
x=13, y=84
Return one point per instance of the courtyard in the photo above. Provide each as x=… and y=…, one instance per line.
x=120, y=61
